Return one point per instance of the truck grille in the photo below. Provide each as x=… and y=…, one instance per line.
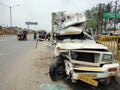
x=80, y=56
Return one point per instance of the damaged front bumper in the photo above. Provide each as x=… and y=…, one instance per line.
x=96, y=73
x=90, y=74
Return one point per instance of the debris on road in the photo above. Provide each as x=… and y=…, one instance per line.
x=47, y=86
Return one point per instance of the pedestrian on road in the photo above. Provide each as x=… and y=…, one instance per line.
x=47, y=36
x=35, y=35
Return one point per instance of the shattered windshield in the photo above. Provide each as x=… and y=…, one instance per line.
x=76, y=37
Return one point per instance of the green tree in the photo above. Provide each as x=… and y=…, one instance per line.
x=88, y=14
x=108, y=7
x=0, y=27
x=91, y=18
x=92, y=23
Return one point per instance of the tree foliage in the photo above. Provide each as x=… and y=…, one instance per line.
x=108, y=7
x=91, y=18
x=95, y=18
x=0, y=27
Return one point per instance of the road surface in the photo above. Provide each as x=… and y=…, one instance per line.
x=22, y=67
x=12, y=55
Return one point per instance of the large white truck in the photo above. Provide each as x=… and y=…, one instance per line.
x=76, y=55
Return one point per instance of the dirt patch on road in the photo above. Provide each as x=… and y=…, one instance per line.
x=37, y=67
x=40, y=65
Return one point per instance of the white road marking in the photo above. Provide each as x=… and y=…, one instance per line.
x=1, y=54
x=3, y=40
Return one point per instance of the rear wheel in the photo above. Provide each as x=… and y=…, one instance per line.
x=57, y=70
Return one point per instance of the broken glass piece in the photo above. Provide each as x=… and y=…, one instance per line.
x=47, y=86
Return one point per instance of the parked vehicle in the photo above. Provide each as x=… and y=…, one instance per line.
x=22, y=35
x=75, y=52
x=41, y=35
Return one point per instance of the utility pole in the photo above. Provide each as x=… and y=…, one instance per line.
x=115, y=20
x=10, y=17
x=100, y=16
x=10, y=8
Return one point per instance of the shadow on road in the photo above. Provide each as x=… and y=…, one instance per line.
x=114, y=85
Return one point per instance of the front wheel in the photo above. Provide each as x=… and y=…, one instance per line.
x=57, y=70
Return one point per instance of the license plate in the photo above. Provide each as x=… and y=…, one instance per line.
x=87, y=80
x=90, y=75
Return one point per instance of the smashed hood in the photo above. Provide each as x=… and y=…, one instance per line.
x=70, y=31
x=83, y=44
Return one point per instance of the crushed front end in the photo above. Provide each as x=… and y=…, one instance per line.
x=91, y=64
x=76, y=54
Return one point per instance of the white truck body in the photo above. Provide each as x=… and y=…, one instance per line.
x=84, y=59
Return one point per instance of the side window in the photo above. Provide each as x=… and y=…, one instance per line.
x=89, y=31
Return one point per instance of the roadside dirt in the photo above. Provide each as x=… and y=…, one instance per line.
x=40, y=63
x=32, y=71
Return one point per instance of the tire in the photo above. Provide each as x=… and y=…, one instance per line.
x=57, y=70
x=106, y=81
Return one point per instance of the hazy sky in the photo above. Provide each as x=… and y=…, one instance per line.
x=40, y=11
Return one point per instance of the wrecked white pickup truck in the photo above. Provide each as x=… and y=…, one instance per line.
x=76, y=54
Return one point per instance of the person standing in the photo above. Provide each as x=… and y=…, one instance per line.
x=47, y=36
x=35, y=35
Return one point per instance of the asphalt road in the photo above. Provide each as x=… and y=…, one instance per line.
x=11, y=51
